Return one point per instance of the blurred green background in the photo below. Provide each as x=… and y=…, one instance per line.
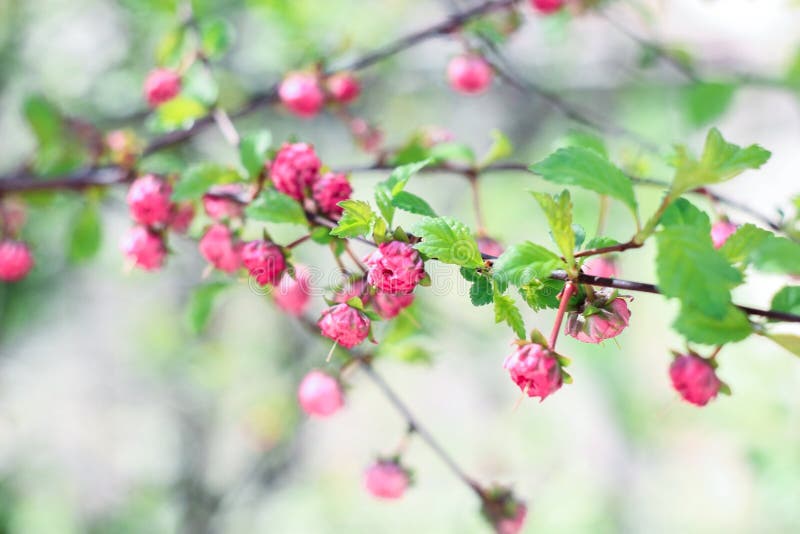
x=115, y=418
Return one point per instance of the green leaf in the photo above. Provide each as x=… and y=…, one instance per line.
x=413, y=204
x=86, y=234
x=179, y=113
x=216, y=37
x=720, y=161
x=448, y=240
x=58, y=150
x=688, y=266
x=170, y=47
x=523, y=262
x=542, y=294
x=199, y=178
x=481, y=293
x=274, y=206
x=706, y=101
x=356, y=220
x=699, y=327
x=558, y=211
x=452, y=152
x=407, y=352
x=586, y=168
x=253, y=151
x=321, y=235
x=199, y=84
x=787, y=300
x=201, y=304
x=787, y=341
x=501, y=148
x=777, y=255
x=385, y=191
x=600, y=242
x=506, y=311
x=792, y=76
x=588, y=140
x=743, y=242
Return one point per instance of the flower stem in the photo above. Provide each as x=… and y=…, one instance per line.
x=569, y=290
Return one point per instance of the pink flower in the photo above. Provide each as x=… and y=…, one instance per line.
x=345, y=325
x=386, y=480
x=600, y=266
x=161, y=86
x=264, y=260
x=295, y=169
x=598, y=320
x=331, y=189
x=293, y=294
x=219, y=249
x=469, y=74
x=389, y=306
x=220, y=207
x=395, y=267
x=490, y=247
x=181, y=217
x=694, y=378
x=535, y=369
x=547, y=6
x=16, y=260
x=368, y=137
x=149, y=200
x=144, y=248
x=721, y=231
x=343, y=87
x=319, y=394
x=513, y=525
x=301, y=94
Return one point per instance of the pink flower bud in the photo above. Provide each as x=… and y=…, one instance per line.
x=301, y=94
x=396, y=267
x=386, y=480
x=547, y=7
x=144, y=248
x=319, y=394
x=149, y=200
x=264, y=260
x=123, y=147
x=694, y=378
x=181, y=216
x=721, y=231
x=368, y=137
x=489, y=246
x=535, y=369
x=161, y=86
x=503, y=511
x=331, y=189
x=469, y=74
x=218, y=205
x=295, y=169
x=345, y=325
x=513, y=525
x=293, y=294
x=598, y=320
x=343, y=87
x=600, y=266
x=12, y=216
x=389, y=306
x=219, y=249
x=16, y=260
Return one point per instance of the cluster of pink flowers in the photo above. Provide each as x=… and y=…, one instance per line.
x=16, y=259
x=295, y=171
x=304, y=93
x=152, y=209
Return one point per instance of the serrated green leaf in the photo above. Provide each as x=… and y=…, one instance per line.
x=506, y=311
x=481, y=292
x=199, y=178
x=86, y=234
x=253, y=151
x=699, y=327
x=458, y=152
x=470, y=275
x=356, y=220
x=787, y=300
x=541, y=294
x=743, y=242
x=385, y=191
x=588, y=140
x=413, y=204
x=720, y=161
x=276, y=207
x=523, y=262
x=588, y=169
x=216, y=37
x=706, y=101
x=600, y=242
x=179, y=113
x=776, y=255
x=688, y=266
x=787, y=341
x=201, y=303
x=558, y=211
x=448, y=240
x=321, y=235
x=501, y=148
